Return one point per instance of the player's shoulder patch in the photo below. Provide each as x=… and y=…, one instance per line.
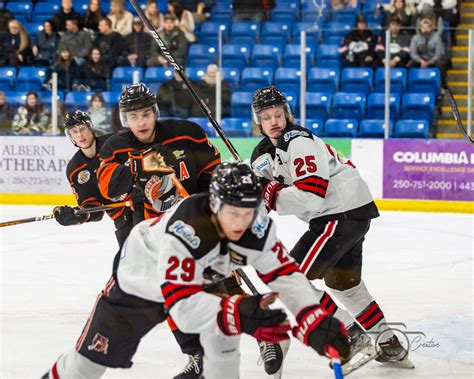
x=291, y=133
x=191, y=224
x=265, y=146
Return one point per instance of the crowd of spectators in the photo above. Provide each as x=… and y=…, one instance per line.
x=84, y=48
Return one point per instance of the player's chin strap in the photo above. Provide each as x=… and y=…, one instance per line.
x=457, y=116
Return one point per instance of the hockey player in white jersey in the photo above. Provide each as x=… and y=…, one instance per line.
x=160, y=270
x=305, y=177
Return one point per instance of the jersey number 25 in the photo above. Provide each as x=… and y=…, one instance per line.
x=306, y=165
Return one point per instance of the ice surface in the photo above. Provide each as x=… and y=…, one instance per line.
x=418, y=266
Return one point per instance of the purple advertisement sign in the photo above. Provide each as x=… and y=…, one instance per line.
x=428, y=170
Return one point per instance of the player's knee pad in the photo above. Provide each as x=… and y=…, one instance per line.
x=75, y=366
x=221, y=356
x=342, y=279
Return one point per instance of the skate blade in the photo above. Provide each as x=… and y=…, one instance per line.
x=404, y=363
x=285, y=346
x=358, y=360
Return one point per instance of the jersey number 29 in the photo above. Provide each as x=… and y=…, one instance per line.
x=187, y=266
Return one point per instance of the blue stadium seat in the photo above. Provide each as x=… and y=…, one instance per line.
x=376, y=106
x=328, y=56
x=30, y=78
x=318, y=105
x=341, y=128
x=232, y=75
x=349, y=105
x=33, y=28
x=235, y=55
x=40, y=17
x=46, y=98
x=237, y=127
x=195, y=73
x=312, y=29
x=288, y=15
x=266, y=55
x=16, y=98
x=316, y=126
x=77, y=100
x=274, y=32
x=209, y=32
x=204, y=123
x=245, y=32
x=369, y=128
x=222, y=15
x=7, y=78
x=111, y=98
x=292, y=100
x=241, y=103
x=20, y=7
x=418, y=106
x=347, y=15
x=48, y=8
x=412, y=129
x=292, y=55
x=335, y=32
x=323, y=80
x=398, y=80
x=157, y=75
x=124, y=75
x=423, y=80
x=201, y=55
x=287, y=79
x=253, y=78
x=356, y=80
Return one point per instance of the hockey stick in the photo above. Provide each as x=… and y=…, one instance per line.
x=78, y=212
x=173, y=62
x=457, y=116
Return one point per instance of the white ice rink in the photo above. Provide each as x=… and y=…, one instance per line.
x=419, y=267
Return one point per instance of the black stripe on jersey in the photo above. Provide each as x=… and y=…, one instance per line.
x=286, y=269
x=175, y=292
x=313, y=184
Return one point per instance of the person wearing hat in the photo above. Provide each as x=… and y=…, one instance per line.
x=399, y=45
x=358, y=46
x=176, y=41
x=136, y=47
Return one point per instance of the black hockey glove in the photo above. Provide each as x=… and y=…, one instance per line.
x=319, y=330
x=138, y=199
x=248, y=314
x=167, y=154
x=66, y=216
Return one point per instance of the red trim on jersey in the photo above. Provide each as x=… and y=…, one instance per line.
x=313, y=184
x=74, y=171
x=287, y=269
x=184, y=137
x=115, y=153
x=80, y=341
x=236, y=299
x=318, y=246
x=109, y=286
x=54, y=370
x=213, y=163
x=175, y=292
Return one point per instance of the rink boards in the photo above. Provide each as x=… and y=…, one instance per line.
x=403, y=174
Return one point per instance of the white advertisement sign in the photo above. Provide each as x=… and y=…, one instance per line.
x=35, y=165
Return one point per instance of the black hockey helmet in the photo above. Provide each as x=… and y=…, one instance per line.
x=73, y=119
x=136, y=96
x=268, y=97
x=235, y=183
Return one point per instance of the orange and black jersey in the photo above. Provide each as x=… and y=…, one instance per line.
x=81, y=174
x=195, y=154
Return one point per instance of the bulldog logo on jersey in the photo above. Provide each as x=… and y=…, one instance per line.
x=99, y=344
x=186, y=233
x=83, y=176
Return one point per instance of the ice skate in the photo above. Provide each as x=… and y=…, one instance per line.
x=272, y=356
x=393, y=354
x=193, y=370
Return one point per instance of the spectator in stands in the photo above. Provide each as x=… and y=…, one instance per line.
x=337, y=5
x=109, y=42
x=175, y=40
x=92, y=17
x=405, y=11
x=67, y=12
x=66, y=68
x=15, y=45
x=46, y=45
x=184, y=19
x=100, y=115
x=154, y=15
x=32, y=118
x=77, y=41
x=358, y=46
x=427, y=50
x=121, y=19
x=6, y=113
x=399, y=46
x=200, y=9
x=5, y=17
x=252, y=10
x=206, y=89
x=137, y=46
x=174, y=99
x=427, y=11
x=95, y=73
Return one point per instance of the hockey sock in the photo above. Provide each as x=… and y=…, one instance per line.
x=74, y=365
x=331, y=307
x=367, y=312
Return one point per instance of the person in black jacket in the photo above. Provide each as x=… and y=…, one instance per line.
x=95, y=72
x=67, y=12
x=399, y=46
x=92, y=17
x=15, y=45
x=174, y=98
x=358, y=46
x=46, y=45
x=109, y=42
x=137, y=46
x=67, y=69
